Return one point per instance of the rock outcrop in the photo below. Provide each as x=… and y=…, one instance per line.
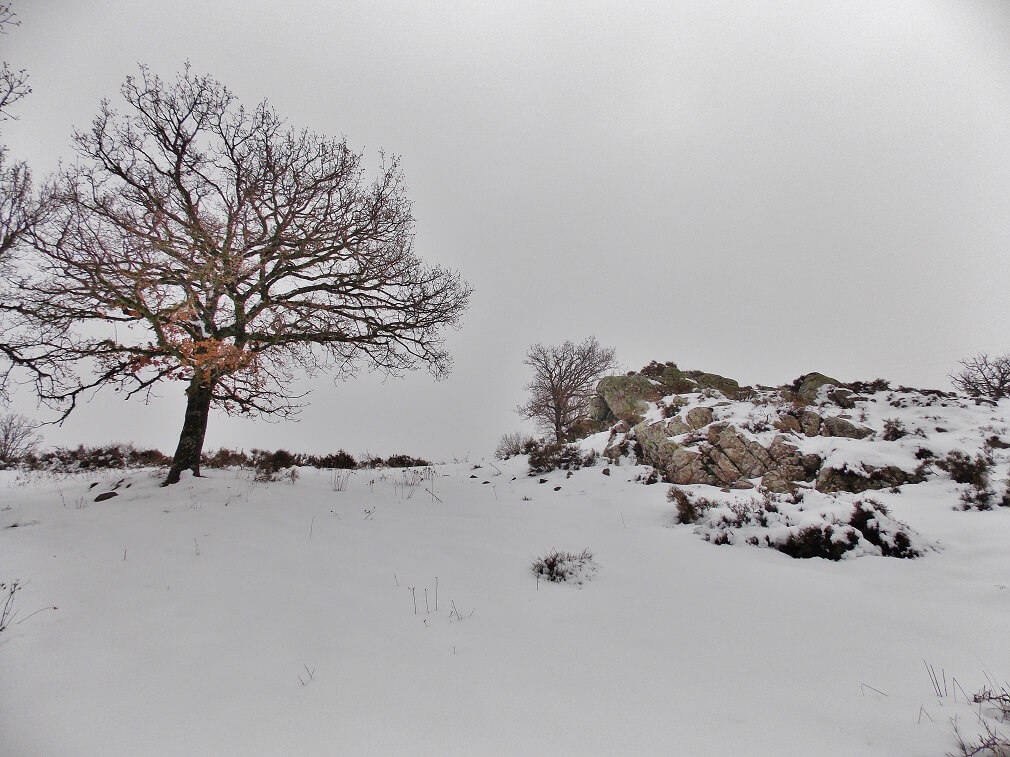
x=866, y=478
x=809, y=385
x=695, y=427
x=810, y=423
x=626, y=398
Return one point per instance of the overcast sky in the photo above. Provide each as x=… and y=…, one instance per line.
x=758, y=189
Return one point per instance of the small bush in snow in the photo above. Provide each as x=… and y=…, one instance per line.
x=965, y=470
x=786, y=525
x=649, y=478
x=827, y=541
x=565, y=566
x=545, y=457
x=994, y=705
x=894, y=429
x=974, y=498
x=511, y=445
x=983, y=376
x=405, y=461
x=335, y=460
x=689, y=510
x=226, y=458
x=64, y=460
x=873, y=521
x=268, y=464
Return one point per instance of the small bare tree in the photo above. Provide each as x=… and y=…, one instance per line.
x=564, y=379
x=983, y=376
x=199, y=241
x=18, y=437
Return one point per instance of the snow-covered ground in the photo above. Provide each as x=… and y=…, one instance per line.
x=399, y=616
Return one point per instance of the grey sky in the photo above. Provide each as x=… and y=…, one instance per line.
x=757, y=189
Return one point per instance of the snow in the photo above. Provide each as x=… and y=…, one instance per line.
x=223, y=616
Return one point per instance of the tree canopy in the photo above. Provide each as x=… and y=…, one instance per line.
x=201, y=241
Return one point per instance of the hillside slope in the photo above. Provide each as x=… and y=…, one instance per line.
x=386, y=612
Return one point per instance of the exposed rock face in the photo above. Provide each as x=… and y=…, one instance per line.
x=691, y=447
x=844, y=398
x=698, y=417
x=627, y=397
x=725, y=458
x=659, y=450
x=599, y=410
x=735, y=456
x=809, y=423
x=677, y=426
x=846, y=480
x=674, y=378
x=727, y=386
x=834, y=426
x=810, y=384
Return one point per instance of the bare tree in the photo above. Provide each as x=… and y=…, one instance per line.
x=20, y=209
x=13, y=82
x=18, y=206
x=18, y=436
x=564, y=379
x=982, y=376
x=199, y=241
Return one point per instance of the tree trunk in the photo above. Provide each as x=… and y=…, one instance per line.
x=194, y=428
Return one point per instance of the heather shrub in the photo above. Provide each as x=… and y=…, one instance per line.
x=819, y=541
x=511, y=444
x=405, y=461
x=965, y=470
x=565, y=566
x=545, y=457
x=894, y=429
x=871, y=519
x=338, y=459
x=268, y=464
x=689, y=510
x=83, y=457
x=226, y=458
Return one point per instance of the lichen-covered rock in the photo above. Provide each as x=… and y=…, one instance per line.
x=627, y=397
x=726, y=386
x=834, y=426
x=676, y=426
x=861, y=480
x=782, y=450
x=789, y=423
x=777, y=482
x=585, y=427
x=808, y=385
x=657, y=447
x=723, y=457
x=790, y=464
x=600, y=411
x=844, y=398
x=671, y=374
x=735, y=456
x=698, y=417
x=810, y=423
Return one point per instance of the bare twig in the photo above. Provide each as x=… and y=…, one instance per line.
x=35, y=613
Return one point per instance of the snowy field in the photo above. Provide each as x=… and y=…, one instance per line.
x=394, y=612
